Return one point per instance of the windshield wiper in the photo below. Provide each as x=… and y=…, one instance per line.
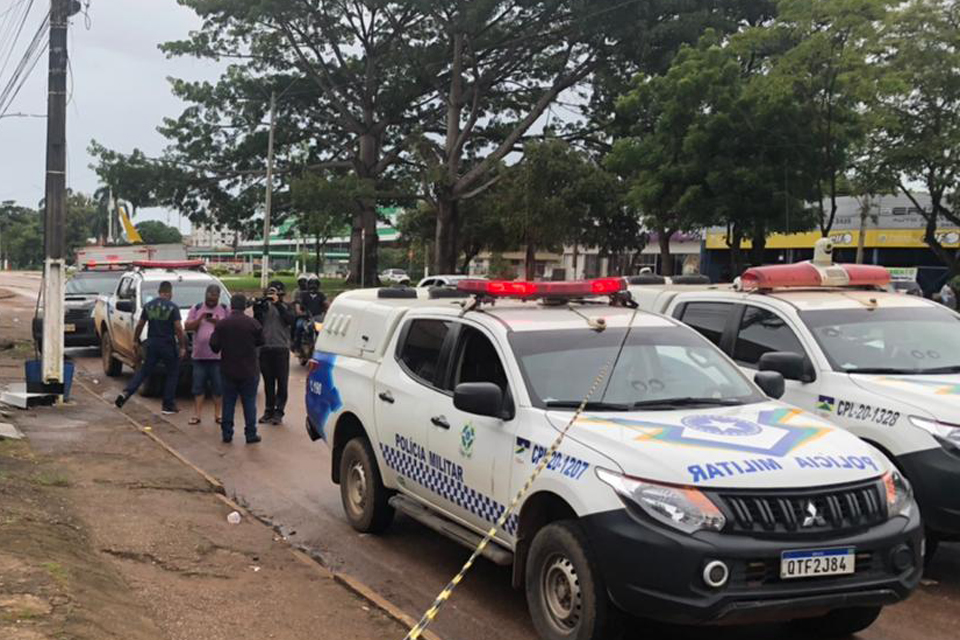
x=673, y=403
x=590, y=406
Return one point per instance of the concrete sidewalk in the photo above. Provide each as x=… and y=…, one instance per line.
x=104, y=534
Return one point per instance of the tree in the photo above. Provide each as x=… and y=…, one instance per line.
x=134, y=178
x=155, y=232
x=918, y=107
x=21, y=236
x=550, y=198
x=828, y=71
x=325, y=206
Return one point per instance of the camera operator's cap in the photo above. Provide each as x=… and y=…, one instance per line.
x=278, y=285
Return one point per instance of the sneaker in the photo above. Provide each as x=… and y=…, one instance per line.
x=254, y=440
x=277, y=419
x=169, y=411
x=266, y=418
x=121, y=400
x=227, y=439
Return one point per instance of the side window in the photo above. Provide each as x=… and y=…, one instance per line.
x=125, y=292
x=420, y=351
x=708, y=318
x=761, y=332
x=478, y=361
x=428, y=283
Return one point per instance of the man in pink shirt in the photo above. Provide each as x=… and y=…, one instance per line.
x=202, y=320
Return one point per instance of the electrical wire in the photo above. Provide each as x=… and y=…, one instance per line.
x=24, y=69
x=16, y=38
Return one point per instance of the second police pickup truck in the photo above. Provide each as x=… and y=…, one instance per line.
x=685, y=492
x=116, y=315
x=885, y=366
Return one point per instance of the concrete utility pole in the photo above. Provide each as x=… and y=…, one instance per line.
x=56, y=194
x=265, y=261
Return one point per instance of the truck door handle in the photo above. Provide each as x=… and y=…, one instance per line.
x=440, y=421
x=387, y=397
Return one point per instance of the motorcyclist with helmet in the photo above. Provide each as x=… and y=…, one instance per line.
x=311, y=302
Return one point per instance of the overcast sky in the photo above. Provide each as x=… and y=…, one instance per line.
x=120, y=92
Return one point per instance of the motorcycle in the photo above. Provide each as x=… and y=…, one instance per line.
x=311, y=331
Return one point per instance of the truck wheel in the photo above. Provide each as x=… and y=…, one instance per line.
x=841, y=622
x=361, y=488
x=111, y=366
x=565, y=591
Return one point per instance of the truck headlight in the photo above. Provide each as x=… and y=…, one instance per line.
x=947, y=435
x=899, y=494
x=682, y=508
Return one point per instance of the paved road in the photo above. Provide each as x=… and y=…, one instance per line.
x=286, y=480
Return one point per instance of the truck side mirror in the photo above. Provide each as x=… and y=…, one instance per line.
x=125, y=306
x=792, y=366
x=479, y=398
x=771, y=383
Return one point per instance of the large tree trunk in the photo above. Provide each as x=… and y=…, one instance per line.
x=356, y=251
x=666, y=260
x=371, y=244
x=446, y=249
x=947, y=256
x=759, y=245
x=530, y=261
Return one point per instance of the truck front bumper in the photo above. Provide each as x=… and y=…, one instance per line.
x=658, y=573
x=935, y=476
x=77, y=333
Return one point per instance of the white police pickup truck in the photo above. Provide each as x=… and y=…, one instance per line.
x=116, y=315
x=885, y=366
x=683, y=492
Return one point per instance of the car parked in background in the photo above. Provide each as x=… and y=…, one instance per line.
x=394, y=276
x=445, y=281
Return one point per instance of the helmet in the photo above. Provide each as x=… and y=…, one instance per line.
x=302, y=280
x=313, y=282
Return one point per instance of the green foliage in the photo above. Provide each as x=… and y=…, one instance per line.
x=155, y=232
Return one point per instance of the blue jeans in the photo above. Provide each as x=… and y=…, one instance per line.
x=159, y=351
x=246, y=391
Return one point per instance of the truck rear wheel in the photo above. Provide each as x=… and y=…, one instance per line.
x=361, y=488
x=565, y=591
x=111, y=366
x=840, y=623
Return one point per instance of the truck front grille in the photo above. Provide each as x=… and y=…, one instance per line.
x=803, y=511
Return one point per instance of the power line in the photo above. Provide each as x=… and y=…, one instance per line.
x=16, y=38
x=28, y=62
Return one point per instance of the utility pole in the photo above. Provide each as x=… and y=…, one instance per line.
x=265, y=261
x=56, y=194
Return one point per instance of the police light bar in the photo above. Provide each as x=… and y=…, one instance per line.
x=808, y=274
x=530, y=290
x=168, y=264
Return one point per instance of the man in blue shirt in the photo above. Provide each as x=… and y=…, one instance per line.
x=162, y=317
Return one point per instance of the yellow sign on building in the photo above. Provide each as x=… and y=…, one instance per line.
x=847, y=238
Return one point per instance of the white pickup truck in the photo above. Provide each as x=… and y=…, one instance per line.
x=885, y=366
x=116, y=315
x=685, y=492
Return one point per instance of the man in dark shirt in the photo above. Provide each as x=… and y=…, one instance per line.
x=276, y=318
x=164, y=331
x=310, y=303
x=236, y=339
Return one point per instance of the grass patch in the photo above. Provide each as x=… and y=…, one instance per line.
x=251, y=285
x=19, y=614
x=57, y=571
x=50, y=479
x=16, y=449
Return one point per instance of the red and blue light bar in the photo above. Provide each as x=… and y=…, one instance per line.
x=168, y=264
x=530, y=290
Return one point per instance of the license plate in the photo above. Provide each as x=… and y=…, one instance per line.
x=817, y=562
x=69, y=328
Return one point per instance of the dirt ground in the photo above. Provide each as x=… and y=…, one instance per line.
x=103, y=534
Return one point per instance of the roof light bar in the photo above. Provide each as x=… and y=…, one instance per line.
x=807, y=274
x=529, y=290
x=168, y=264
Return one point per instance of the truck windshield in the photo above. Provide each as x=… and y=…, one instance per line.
x=185, y=294
x=906, y=340
x=100, y=284
x=665, y=368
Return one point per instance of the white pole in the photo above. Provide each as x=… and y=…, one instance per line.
x=265, y=265
x=363, y=258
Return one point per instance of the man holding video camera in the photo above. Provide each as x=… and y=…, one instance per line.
x=277, y=318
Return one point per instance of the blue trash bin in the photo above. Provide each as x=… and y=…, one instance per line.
x=33, y=372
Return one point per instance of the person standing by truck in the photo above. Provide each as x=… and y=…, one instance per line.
x=202, y=320
x=164, y=333
x=236, y=339
x=276, y=318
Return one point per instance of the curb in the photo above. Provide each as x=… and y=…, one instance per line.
x=351, y=583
